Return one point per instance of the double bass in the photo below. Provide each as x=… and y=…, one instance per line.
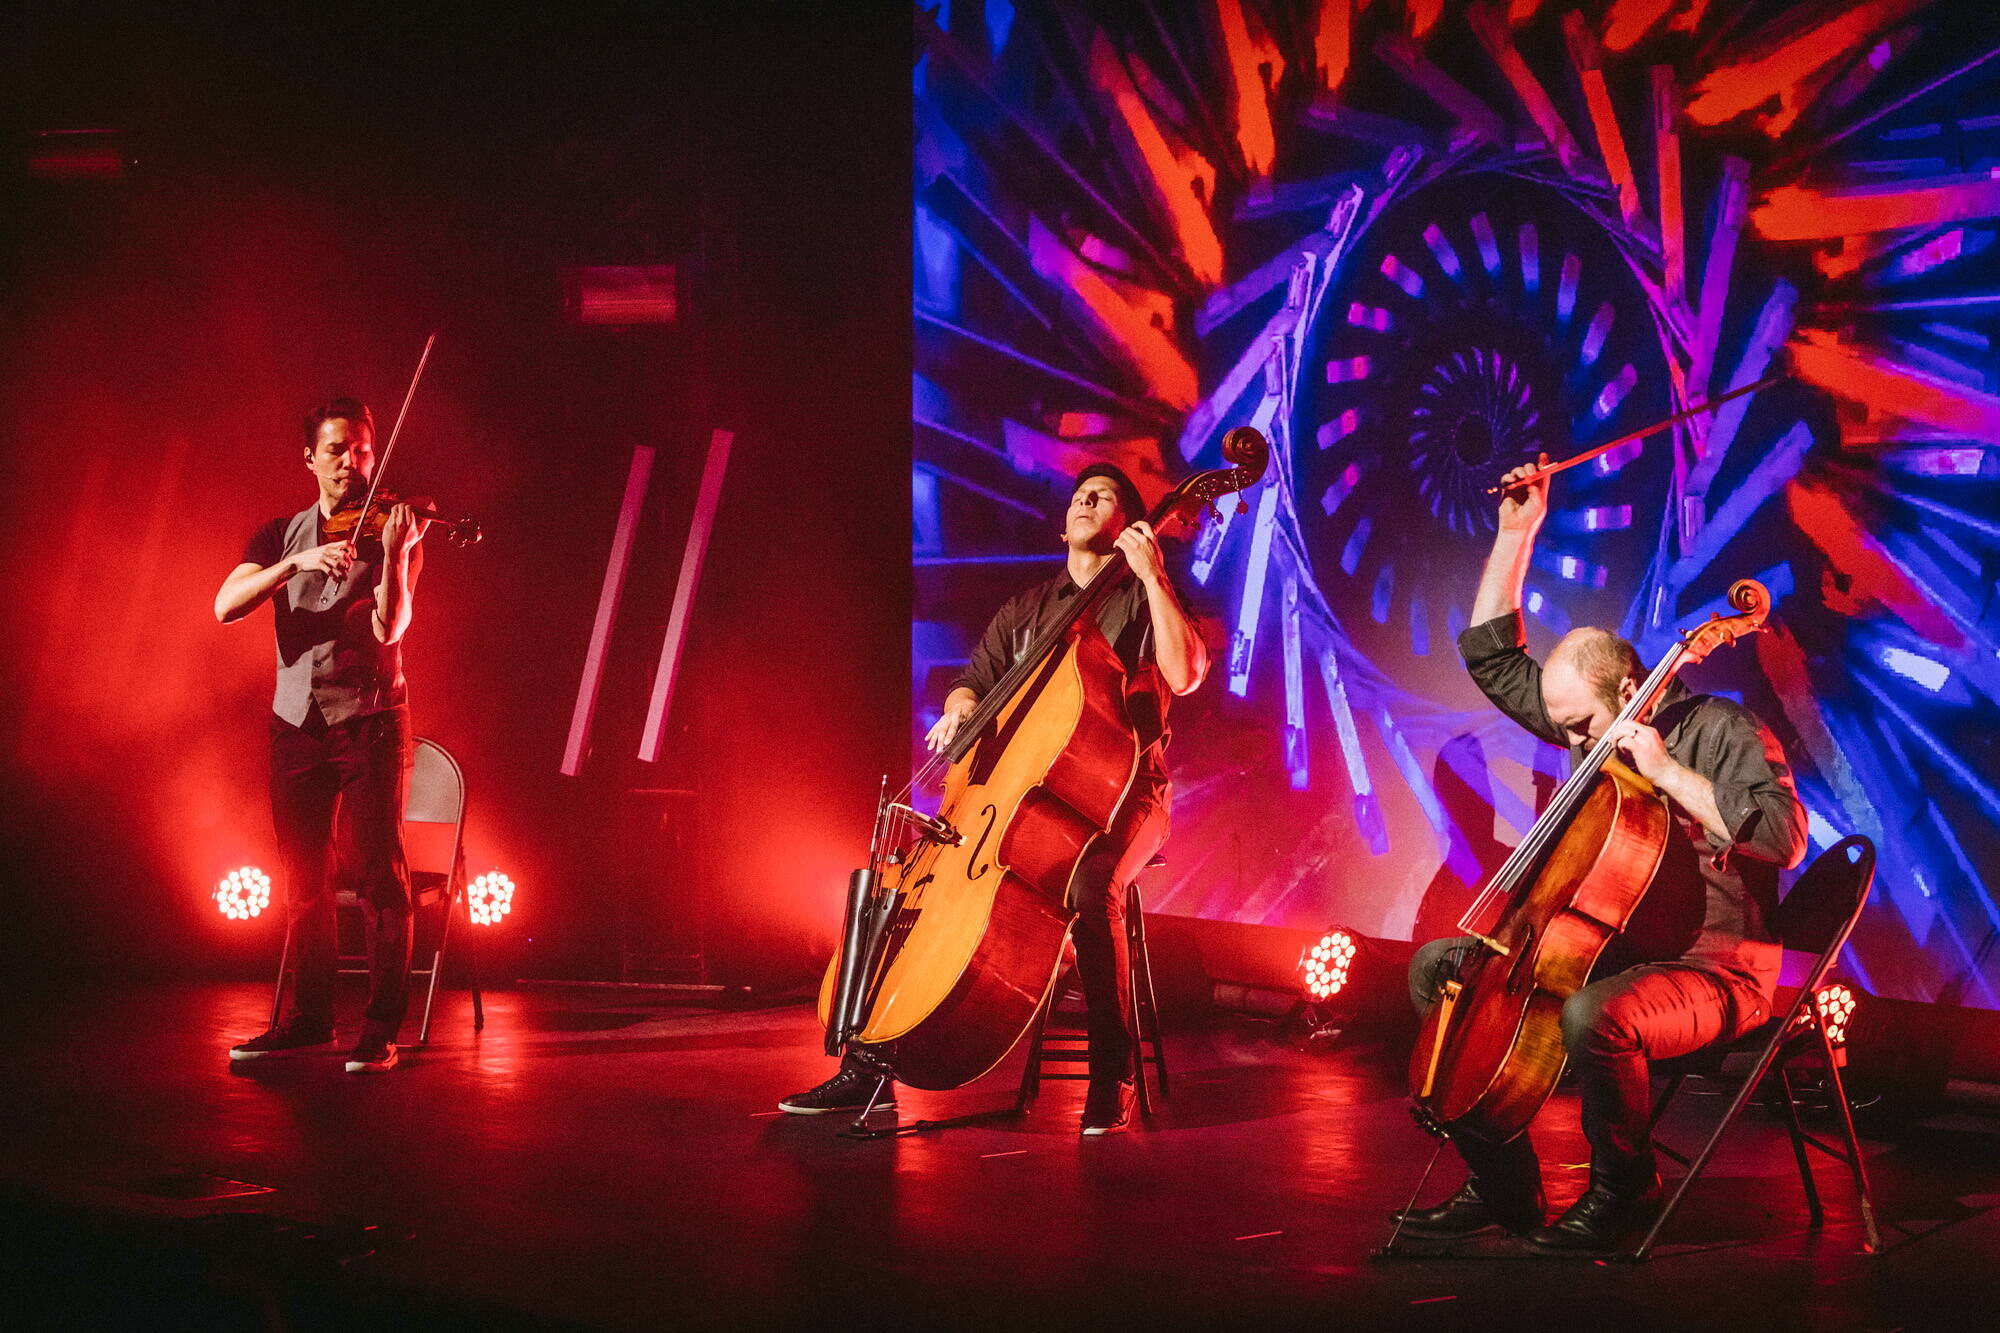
x=1490, y=1050
x=955, y=927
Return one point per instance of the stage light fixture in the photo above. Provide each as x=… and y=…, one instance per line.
x=243, y=893
x=489, y=898
x=620, y=296
x=1835, y=1003
x=1325, y=966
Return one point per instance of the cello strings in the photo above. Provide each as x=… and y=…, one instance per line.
x=1566, y=800
x=1569, y=796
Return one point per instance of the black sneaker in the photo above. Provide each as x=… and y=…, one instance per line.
x=285, y=1039
x=1108, y=1108
x=848, y=1090
x=372, y=1057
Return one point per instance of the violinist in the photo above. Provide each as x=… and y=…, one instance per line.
x=339, y=732
x=1163, y=655
x=1698, y=961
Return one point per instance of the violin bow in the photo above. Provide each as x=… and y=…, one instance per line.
x=1708, y=406
x=382, y=465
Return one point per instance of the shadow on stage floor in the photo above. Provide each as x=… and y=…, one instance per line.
x=592, y=1159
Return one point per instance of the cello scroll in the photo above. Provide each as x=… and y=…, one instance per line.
x=1752, y=601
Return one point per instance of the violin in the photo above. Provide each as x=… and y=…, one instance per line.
x=355, y=518
x=358, y=517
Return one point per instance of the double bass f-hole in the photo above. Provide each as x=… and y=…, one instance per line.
x=990, y=814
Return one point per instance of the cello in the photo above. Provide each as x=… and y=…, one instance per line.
x=955, y=927
x=1490, y=1050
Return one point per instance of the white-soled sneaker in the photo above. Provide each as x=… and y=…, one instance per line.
x=372, y=1058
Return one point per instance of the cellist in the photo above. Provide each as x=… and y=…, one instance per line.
x=1163, y=655
x=1697, y=963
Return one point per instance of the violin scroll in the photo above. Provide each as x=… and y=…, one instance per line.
x=463, y=530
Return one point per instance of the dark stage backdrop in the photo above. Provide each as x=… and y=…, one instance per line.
x=288, y=207
x=1415, y=241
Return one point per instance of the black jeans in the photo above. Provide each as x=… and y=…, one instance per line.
x=1103, y=952
x=337, y=801
x=1611, y=1029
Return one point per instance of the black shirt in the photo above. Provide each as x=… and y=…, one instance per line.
x=1127, y=625
x=1712, y=901
x=266, y=546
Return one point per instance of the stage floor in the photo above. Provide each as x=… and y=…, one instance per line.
x=597, y=1158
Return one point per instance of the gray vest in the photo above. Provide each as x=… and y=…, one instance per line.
x=327, y=650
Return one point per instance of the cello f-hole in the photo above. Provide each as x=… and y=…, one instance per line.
x=1522, y=953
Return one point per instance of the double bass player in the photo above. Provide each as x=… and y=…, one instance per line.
x=1698, y=961
x=1162, y=655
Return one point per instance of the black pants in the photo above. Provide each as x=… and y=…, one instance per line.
x=1103, y=951
x=1611, y=1029
x=337, y=802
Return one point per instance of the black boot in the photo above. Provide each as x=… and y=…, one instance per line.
x=1479, y=1206
x=1612, y=1208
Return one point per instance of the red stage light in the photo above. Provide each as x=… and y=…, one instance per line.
x=489, y=898
x=1835, y=1004
x=76, y=155
x=1324, y=968
x=243, y=893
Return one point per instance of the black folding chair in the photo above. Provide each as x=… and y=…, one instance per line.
x=1816, y=917
x=434, y=844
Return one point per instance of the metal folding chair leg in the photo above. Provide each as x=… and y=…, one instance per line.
x=1865, y=1198
x=284, y=975
x=454, y=901
x=1814, y=1209
x=437, y=966
x=1145, y=1004
x=1765, y=1060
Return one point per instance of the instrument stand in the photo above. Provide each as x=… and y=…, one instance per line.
x=861, y=1130
x=1389, y=1249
